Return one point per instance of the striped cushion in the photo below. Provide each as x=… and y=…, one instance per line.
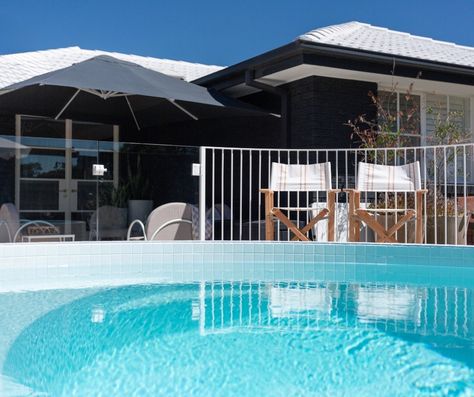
x=389, y=178
x=301, y=177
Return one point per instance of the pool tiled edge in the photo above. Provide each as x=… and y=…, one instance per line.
x=55, y=265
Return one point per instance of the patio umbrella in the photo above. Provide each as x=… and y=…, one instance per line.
x=112, y=79
x=8, y=149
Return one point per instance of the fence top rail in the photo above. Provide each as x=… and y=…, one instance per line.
x=360, y=149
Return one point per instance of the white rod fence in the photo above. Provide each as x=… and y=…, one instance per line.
x=232, y=177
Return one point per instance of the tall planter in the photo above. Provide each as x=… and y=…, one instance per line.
x=139, y=209
x=444, y=231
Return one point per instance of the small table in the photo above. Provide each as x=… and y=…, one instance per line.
x=48, y=237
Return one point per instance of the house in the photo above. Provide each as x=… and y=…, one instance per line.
x=322, y=79
x=315, y=84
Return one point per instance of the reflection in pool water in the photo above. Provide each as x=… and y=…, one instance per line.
x=247, y=339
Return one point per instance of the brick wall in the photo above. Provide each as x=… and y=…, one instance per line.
x=319, y=107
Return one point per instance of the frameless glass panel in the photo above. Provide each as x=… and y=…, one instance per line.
x=86, y=135
x=34, y=130
x=39, y=195
x=86, y=196
x=148, y=176
x=43, y=163
x=56, y=218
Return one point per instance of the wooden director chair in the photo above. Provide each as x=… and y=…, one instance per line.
x=299, y=178
x=386, y=179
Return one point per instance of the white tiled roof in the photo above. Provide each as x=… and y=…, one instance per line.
x=363, y=36
x=22, y=66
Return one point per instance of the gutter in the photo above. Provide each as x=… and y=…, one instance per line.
x=348, y=52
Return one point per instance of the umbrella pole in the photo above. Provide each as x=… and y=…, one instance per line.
x=182, y=109
x=67, y=104
x=133, y=113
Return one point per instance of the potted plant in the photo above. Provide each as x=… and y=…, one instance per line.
x=444, y=224
x=119, y=199
x=139, y=193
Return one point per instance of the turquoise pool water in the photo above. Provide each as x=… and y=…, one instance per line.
x=239, y=339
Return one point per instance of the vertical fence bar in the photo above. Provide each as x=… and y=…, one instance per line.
x=466, y=214
x=445, y=196
x=259, y=194
x=222, y=193
x=240, y=192
x=202, y=193
x=456, y=193
x=250, y=195
x=232, y=194
x=213, y=196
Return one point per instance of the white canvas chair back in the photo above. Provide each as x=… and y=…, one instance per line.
x=300, y=177
x=9, y=222
x=171, y=221
x=388, y=178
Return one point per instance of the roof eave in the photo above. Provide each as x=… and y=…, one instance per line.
x=266, y=62
x=237, y=71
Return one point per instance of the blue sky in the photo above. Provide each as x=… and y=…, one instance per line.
x=213, y=31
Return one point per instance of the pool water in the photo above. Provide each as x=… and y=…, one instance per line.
x=240, y=339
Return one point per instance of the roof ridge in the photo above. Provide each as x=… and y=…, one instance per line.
x=333, y=30
x=338, y=29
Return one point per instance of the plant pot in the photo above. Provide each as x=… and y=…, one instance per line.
x=139, y=209
x=122, y=216
x=452, y=225
x=387, y=221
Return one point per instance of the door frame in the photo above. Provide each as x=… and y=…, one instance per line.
x=67, y=204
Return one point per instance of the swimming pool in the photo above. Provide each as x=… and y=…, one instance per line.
x=245, y=329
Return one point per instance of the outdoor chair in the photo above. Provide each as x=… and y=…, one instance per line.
x=12, y=228
x=309, y=178
x=171, y=221
x=377, y=178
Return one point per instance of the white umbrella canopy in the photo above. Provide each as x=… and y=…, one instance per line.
x=8, y=148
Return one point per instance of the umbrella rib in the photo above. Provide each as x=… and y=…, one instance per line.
x=133, y=113
x=182, y=109
x=67, y=104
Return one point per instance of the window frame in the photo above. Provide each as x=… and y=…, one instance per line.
x=423, y=136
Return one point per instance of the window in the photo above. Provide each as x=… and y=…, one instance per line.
x=400, y=112
x=440, y=108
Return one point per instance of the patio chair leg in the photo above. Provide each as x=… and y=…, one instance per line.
x=371, y=222
x=311, y=223
x=331, y=208
x=292, y=227
x=402, y=221
x=269, y=224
